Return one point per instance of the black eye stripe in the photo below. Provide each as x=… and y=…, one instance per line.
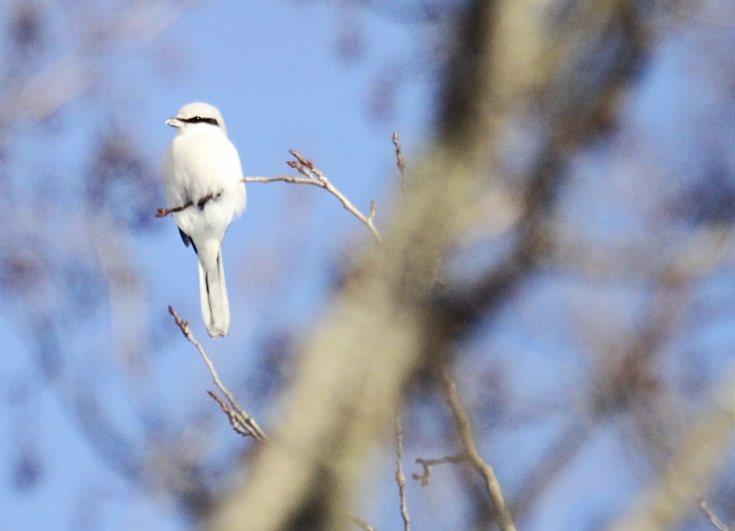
x=200, y=119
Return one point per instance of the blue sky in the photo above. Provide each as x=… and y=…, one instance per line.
x=273, y=68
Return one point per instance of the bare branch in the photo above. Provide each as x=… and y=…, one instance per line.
x=312, y=176
x=359, y=522
x=464, y=428
x=163, y=212
x=292, y=179
x=240, y=420
x=550, y=466
x=710, y=515
x=233, y=416
x=400, y=159
x=425, y=476
x=400, y=478
x=212, y=196
x=309, y=170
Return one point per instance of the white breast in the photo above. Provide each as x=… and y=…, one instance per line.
x=203, y=162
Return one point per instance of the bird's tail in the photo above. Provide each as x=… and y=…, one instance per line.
x=213, y=294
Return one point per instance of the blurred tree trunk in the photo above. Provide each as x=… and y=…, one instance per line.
x=392, y=316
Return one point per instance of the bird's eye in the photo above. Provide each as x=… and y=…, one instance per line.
x=200, y=119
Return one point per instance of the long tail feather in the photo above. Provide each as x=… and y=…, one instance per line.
x=213, y=297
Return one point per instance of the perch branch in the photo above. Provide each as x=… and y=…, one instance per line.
x=212, y=196
x=312, y=176
x=163, y=212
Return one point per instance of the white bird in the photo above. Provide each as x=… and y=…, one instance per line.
x=203, y=171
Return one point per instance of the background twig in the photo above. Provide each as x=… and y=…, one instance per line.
x=464, y=428
x=712, y=518
x=400, y=159
x=425, y=476
x=400, y=478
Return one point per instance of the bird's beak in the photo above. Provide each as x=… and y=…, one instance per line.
x=174, y=122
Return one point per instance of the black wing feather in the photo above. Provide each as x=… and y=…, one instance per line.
x=187, y=240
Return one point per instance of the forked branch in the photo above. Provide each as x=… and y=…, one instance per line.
x=311, y=175
x=425, y=476
x=464, y=429
x=240, y=420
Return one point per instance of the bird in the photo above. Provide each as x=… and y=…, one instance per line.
x=204, y=175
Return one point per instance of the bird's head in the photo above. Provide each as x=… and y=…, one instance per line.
x=197, y=115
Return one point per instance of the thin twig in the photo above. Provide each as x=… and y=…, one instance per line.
x=309, y=170
x=712, y=518
x=292, y=179
x=240, y=420
x=212, y=196
x=425, y=476
x=163, y=212
x=400, y=478
x=233, y=416
x=464, y=428
x=400, y=159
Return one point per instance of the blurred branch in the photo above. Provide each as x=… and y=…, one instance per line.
x=464, y=429
x=359, y=522
x=240, y=420
x=380, y=309
x=712, y=518
x=425, y=476
x=549, y=467
x=694, y=463
x=70, y=76
x=692, y=466
x=574, y=122
x=414, y=12
x=386, y=319
x=628, y=381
